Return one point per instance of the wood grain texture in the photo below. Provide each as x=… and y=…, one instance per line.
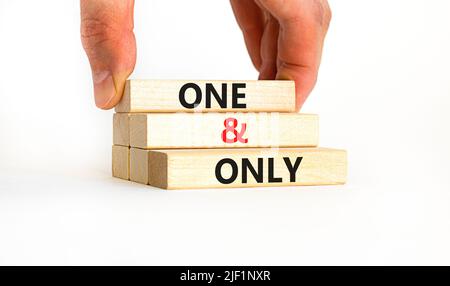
x=204, y=130
x=121, y=162
x=121, y=129
x=163, y=96
x=139, y=164
x=197, y=168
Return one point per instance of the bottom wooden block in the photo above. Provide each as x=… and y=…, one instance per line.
x=247, y=167
x=121, y=162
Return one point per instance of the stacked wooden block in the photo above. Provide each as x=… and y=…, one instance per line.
x=176, y=134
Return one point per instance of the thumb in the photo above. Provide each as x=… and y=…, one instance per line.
x=303, y=27
x=108, y=39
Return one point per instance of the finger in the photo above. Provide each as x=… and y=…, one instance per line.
x=269, y=46
x=303, y=26
x=108, y=39
x=251, y=21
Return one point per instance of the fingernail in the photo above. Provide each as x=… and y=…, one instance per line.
x=104, y=89
x=283, y=76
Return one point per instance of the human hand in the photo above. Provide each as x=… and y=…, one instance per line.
x=285, y=38
x=108, y=39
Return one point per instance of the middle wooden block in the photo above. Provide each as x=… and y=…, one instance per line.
x=219, y=130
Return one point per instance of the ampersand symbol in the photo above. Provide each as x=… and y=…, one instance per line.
x=230, y=126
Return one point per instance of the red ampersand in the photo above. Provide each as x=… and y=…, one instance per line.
x=232, y=128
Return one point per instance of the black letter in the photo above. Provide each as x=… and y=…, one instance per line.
x=221, y=101
x=198, y=95
x=292, y=170
x=273, y=179
x=237, y=95
x=247, y=165
x=219, y=171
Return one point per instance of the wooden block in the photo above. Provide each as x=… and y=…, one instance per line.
x=208, y=95
x=206, y=130
x=121, y=129
x=121, y=162
x=228, y=168
x=139, y=165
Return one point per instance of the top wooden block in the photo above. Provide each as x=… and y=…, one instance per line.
x=208, y=96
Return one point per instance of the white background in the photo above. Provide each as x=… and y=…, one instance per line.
x=383, y=94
